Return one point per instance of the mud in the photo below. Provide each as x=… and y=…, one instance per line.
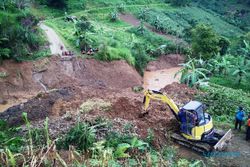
x=165, y=62
x=25, y=80
x=156, y=80
x=36, y=108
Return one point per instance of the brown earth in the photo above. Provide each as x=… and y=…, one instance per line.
x=26, y=79
x=70, y=83
x=165, y=62
x=126, y=108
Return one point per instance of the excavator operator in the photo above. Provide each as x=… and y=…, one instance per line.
x=188, y=121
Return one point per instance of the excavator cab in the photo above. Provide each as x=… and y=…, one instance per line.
x=194, y=113
x=194, y=121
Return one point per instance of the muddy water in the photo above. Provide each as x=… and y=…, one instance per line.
x=156, y=80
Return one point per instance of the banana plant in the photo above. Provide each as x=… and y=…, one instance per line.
x=241, y=69
x=191, y=75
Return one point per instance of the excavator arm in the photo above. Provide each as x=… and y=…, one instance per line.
x=155, y=95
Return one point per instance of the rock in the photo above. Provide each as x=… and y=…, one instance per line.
x=3, y=102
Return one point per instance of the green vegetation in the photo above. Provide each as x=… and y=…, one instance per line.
x=179, y=2
x=19, y=36
x=223, y=102
x=83, y=147
x=192, y=75
x=213, y=35
x=204, y=42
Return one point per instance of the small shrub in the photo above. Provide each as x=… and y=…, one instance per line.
x=9, y=138
x=95, y=103
x=3, y=74
x=169, y=153
x=137, y=89
x=141, y=58
x=82, y=136
x=150, y=136
x=113, y=16
x=38, y=136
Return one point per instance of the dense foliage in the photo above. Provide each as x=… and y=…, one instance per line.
x=222, y=102
x=204, y=42
x=19, y=35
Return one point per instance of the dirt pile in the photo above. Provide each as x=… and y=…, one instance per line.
x=165, y=62
x=180, y=93
x=37, y=108
x=25, y=80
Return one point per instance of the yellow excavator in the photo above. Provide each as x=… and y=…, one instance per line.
x=196, y=126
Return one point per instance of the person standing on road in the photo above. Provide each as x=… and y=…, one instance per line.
x=248, y=128
x=239, y=118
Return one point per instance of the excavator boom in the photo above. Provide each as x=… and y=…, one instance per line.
x=155, y=95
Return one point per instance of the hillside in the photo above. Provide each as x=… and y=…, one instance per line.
x=124, y=83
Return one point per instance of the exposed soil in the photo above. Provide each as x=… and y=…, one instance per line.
x=26, y=79
x=126, y=108
x=165, y=62
x=136, y=22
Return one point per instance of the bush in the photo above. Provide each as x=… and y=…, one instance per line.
x=107, y=53
x=141, y=58
x=179, y=2
x=9, y=138
x=223, y=102
x=18, y=35
x=82, y=136
x=113, y=16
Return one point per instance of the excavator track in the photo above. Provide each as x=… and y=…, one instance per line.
x=200, y=147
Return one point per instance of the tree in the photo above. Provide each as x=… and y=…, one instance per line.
x=158, y=24
x=205, y=42
x=57, y=3
x=141, y=28
x=246, y=49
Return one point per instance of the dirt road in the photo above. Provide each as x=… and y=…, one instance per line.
x=56, y=44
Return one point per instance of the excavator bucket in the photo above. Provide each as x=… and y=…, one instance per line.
x=224, y=140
